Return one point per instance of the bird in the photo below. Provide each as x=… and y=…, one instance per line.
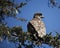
x=36, y=27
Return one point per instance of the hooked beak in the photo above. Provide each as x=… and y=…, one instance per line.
x=42, y=16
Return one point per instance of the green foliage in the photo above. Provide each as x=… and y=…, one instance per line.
x=16, y=34
x=10, y=9
x=53, y=3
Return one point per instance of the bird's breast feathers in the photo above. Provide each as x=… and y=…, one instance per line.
x=39, y=27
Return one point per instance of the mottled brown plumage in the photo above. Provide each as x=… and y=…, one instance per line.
x=36, y=26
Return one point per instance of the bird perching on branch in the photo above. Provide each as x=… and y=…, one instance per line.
x=36, y=27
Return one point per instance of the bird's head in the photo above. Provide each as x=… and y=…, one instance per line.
x=38, y=15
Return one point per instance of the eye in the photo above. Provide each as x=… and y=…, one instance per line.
x=40, y=14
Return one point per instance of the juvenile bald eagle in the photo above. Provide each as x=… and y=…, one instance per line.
x=36, y=27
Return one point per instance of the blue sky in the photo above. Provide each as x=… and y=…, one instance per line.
x=51, y=20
